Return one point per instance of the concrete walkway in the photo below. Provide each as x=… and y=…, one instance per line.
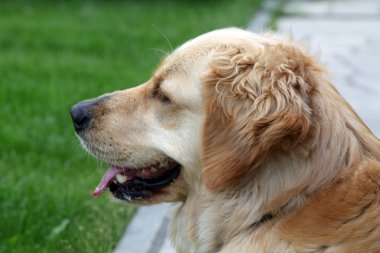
x=346, y=36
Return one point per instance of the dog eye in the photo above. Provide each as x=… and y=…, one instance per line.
x=158, y=94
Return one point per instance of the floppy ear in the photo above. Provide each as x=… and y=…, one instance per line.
x=253, y=105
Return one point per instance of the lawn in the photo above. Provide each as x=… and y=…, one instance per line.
x=52, y=55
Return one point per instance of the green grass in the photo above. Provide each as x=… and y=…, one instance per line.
x=52, y=55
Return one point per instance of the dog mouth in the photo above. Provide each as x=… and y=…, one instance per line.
x=138, y=184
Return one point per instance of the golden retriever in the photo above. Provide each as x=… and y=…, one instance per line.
x=247, y=134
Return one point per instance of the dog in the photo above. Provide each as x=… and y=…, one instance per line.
x=246, y=133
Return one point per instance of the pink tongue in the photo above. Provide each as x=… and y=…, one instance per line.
x=106, y=180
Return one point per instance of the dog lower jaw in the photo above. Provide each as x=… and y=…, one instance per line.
x=135, y=185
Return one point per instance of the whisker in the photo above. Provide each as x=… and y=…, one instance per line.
x=166, y=38
x=160, y=51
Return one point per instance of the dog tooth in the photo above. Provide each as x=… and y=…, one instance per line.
x=127, y=197
x=164, y=164
x=121, y=178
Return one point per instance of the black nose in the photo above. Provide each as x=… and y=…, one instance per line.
x=83, y=112
x=81, y=115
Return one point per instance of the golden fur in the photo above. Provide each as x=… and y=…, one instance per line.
x=273, y=158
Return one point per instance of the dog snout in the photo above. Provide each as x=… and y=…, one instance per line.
x=82, y=113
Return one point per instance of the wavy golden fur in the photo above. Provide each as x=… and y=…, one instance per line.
x=273, y=158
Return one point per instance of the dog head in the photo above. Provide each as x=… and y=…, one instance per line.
x=211, y=114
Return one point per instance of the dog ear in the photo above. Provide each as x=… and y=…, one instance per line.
x=253, y=105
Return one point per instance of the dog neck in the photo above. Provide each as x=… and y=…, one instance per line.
x=283, y=183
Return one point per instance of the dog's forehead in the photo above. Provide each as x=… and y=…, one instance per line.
x=180, y=75
x=188, y=55
x=182, y=81
x=224, y=36
x=216, y=36
x=183, y=69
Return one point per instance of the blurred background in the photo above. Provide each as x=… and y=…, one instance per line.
x=54, y=54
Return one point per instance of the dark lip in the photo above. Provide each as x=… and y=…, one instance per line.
x=139, y=189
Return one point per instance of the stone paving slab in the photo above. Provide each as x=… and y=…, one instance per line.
x=348, y=8
x=167, y=247
x=147, y=230
x=328, y=26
